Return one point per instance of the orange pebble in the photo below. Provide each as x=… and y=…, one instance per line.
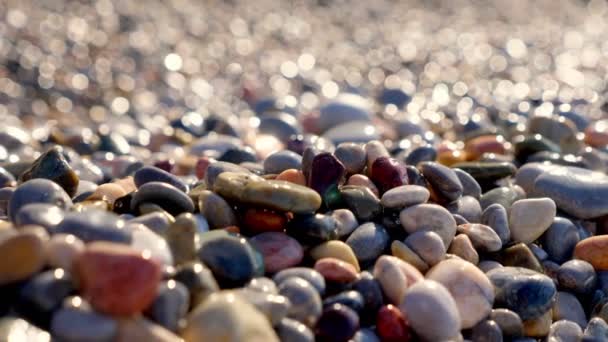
x=362, y=180
x=260, y=220
x=449, y=158
x=293, y=176
x=232, y=229
x=127, y=184
x=596, y=134
x=476, y=147
x=109, y=192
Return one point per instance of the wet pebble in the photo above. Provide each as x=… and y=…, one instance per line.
x=37, y=191
x=368, y=241
x=279, y=250
x=153, y=174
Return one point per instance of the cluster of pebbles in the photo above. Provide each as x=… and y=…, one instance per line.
x=299, y=171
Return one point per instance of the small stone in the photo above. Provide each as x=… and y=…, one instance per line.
x=216, y=168
x=94, y=225
x=279, y=250
x=335, y=249
x=337, y=323
x=404, y=196
x=182, y=238
x=224, y=316
x=468, y=207
x=291, y=330
x=487, y=331
x=352, y=156
x=539, y=326
x=565, y=331
x=364, y=181
x=40, y=214
x=168, y=197
x=374, y=150
x=405, y=253
x=141, y=329
x=52, y=165
x=313, y=229
x=310, y=275
x=352, y=299
x=326, y=175
x=262, y=284
x=153, y=174
x=368, y=242
x=371, y=291
x=42, y=294
x=361, y=201
x=594, y=250
x=482, y=237
x=198, y=279
x=158, y=222
x=62, y=249
x=72, y=325
x=279, y=195
x=530, y=218
x=509, y=322
x=365, y=335
x=462, y=247
x=395, y=277
x=443, y=180
x=392, y=325
x=567, y=306
x=429, y=217
x=216, y=210
x=428, y=301
x=470, y=288
x=273, y=306
x=476, y=147
x=577, y=276
x=336, y=270
x=503, y=195
x=596, y=330
x=528, y=293
x=37, y=191
x=387, y=173
x=346, y=221
x=292, y=176
x=560, y=239
x=170, y=305
x=487, y=173
x=282, y=160
x=421, y=154
x=305, y=300
x=427, y=245
x=495, y=217
x=232, y=259
x=520, y=255
x=23, y=254
x=117, y=279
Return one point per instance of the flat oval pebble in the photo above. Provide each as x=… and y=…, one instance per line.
x=594, y=250
x=368, y=241
x=313, y=228
x=528, y=293
x=23, y=255
x=198, y=279
x=443, y=180
x=216, y=210
x=429, y=217
x=371, y=291
x=487, y=330
x=352, y=299
x=95, y=225
x=577, y=276
x=428, y=301
x=596, y=330
x=565, y=331
x=37, y=191
x=305, y=300
x=405, y=253
x=168, y=197
x=117, y=279
x=483, y=238
x=395, y=276
x=279, y=195
x=335, y=249
x=346, y=221
x=281, y=161
x=273, y=306
x=326, y=173
x=153, y=174
x=470, y=288
x=336, y=270
x=147, y=241
x=291, y=330
x=404, y=196
x=312, y=276
x=352, y=156
x=225, y=316
x=503, y=195
x=216, y=168
x=530, y=218
x=279, y=250
x=364, y=181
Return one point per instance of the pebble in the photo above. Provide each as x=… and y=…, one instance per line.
x=427, y=245
x=292, y=330
x=576, y=191
x=391, y=324
x=594, y=250
x=565, y=331
x=12, y=327
x=370, y=289
x=225, y=316
x=352, y=156
x=153, y=174
x=560, y=239
x=361, y=201
x=443, y=180
x=310, y=275
x=528, y=293
x=483, y=238
x=117, y=279
x=421, y=154
x=53, y=166
x=170, y=305
x=395, y=277
x=232, y=259
x=278, y=195
x=404, y=196
x=279, y=250
x=95, y=225
x=273, y=306
x=463, y=247
x=292, y=176
x=352, y=299
x=346, y=221
x=539, y=326
x=354, y=131
x=158, y=222
x=530, y=218
x=568, y=307
x=364, y=181
x=216, y=210
x=577, y=276
x=504, y=195
x=431, y=217
x=262, y=284
x=487, y=330
x=72, y=324
x=313, y=229
x=37, y=191
x=282, y=160
x=262, y=220
x=306, y=306
x=168, y=197
x=150, y=243
x=62, y=250
x=365, y=335
x=470, y=288
x=39, y=214
x=495, y=216
x=520, y=255
x=387, y=173
x=405, y=253
x=23, y=254
x=368, y=242
x=42, y=294
x=335, y=270
x=596, y=330
x=326, y=174
x=141, y=329
x=198, y=279
x=467, y=207
x=344, y=108
x=335, y=249
x=509, y=322
x=337, y=323
x=428, y=301
x=216, y=168
x=487, y=173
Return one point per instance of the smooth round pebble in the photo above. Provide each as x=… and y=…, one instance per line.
x=305, y=301
x=430, y=217
x=395, y=277
x=279, y=250
x=368, y=241
x=404, y=196
x=427, y=245
x=530, y=218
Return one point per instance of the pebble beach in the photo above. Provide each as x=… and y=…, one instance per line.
x=300, y=171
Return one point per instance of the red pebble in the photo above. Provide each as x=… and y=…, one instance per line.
x=117, y=279
x=279, y=250
x=336, y=270
x=201, y=167
x=391, y=325
x=260, y=221
x=388, y=173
